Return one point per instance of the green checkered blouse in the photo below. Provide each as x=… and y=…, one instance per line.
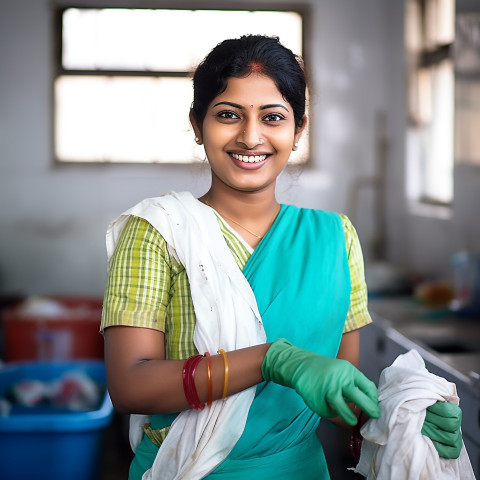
x=147, y=287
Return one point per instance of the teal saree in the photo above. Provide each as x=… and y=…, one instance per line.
x=300, y=276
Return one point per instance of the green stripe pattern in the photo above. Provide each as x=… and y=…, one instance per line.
x=147, y=287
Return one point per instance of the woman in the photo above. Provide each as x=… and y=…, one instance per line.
x=245, y=312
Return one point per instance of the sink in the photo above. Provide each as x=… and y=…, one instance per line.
x=450, y=345
x=451, y=338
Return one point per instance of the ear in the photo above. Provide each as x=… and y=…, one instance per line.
x=299, y=131
x=196, y=128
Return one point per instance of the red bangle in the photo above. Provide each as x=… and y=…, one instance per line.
x=209, y=378
x=188, y=377
x=189, y=382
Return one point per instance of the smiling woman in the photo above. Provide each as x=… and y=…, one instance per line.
x=195, y=276
x=203, y=293
x=250, y=118
x=249, y=127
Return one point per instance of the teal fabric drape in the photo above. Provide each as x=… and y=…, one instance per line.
x=300, y=276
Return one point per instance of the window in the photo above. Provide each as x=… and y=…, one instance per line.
x=467, y=88
x=429, y=42
x=122, y=88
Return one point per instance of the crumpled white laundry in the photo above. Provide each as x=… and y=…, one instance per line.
x=393, y=446
x=226, y=317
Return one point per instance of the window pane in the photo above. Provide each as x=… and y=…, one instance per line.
x=429, y=33
x=124, y=119
x=467, y=44
x=439, y=22
x=467, y=121
x=163, y=40
x=439, y=164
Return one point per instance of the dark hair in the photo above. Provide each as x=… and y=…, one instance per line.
x=243, y=56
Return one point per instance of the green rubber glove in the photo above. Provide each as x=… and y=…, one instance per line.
x=442, y=425
x=325, y=384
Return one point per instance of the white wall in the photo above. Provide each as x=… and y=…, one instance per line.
x=423, y=240
x=53, y=218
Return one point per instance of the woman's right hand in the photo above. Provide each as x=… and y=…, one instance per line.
x=325, y=384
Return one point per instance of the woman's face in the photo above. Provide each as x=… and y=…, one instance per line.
x=248, y=133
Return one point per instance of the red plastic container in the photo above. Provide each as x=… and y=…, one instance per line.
x=72, y=332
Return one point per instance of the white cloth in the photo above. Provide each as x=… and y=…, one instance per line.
x=393, y=446
x=226, y=317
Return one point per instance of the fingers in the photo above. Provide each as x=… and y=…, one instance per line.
x=448, y=451
x=438, y=435
x=366, y=385
x=445, y=415
x=442, y=425
x=339, y=405
x=367, y=403
x=451, y=424
x=445, y=409
x=364, y=394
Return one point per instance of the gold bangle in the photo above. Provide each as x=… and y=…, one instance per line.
x=225, y=381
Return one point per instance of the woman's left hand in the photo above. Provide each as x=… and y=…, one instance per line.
x=442, y=425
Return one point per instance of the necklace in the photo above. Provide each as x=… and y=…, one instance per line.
x=236, y=223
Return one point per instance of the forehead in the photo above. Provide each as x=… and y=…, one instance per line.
x=255, y=89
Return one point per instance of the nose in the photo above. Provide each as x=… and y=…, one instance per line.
x=250, y=135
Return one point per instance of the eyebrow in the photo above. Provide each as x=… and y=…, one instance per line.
x=263, y=107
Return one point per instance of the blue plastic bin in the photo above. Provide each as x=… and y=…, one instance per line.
x=47, y=443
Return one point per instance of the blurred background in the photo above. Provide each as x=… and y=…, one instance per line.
x=94, y=101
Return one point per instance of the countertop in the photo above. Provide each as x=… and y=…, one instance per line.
x=450, y=342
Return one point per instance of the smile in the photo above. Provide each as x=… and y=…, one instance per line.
x=249, y=158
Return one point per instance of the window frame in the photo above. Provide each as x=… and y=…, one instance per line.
x=430, y=54
x=58, y=8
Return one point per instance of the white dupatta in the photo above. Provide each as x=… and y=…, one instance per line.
x=226, y=317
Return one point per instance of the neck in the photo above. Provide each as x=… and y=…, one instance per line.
x=251, y=214
x=248, y=206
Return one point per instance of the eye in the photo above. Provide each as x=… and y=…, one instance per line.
x=273, y=117
x=228, y=115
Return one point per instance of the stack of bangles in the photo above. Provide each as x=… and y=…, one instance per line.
x=188, y=376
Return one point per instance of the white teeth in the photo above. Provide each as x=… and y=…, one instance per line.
x=249, y=158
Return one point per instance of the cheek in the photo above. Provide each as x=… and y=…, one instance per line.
x=285, y=142
x=212, y=145
x=213, y=136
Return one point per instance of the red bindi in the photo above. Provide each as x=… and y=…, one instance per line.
x=256, y=66
x=251, y=106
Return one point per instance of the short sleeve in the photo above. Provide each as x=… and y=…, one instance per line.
x=137, y=290
x=358, y=314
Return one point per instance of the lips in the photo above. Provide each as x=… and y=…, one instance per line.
x=249, y=161
x=249, y=158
